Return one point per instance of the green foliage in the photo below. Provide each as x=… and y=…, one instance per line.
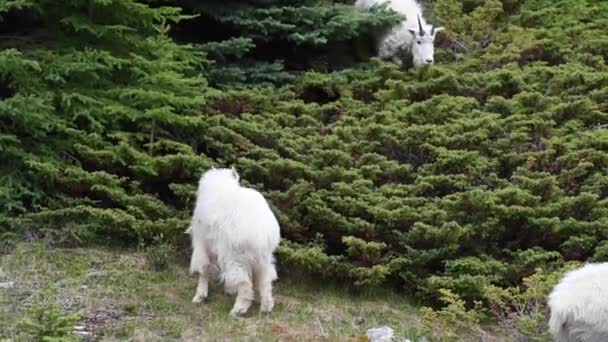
x=159, y=253
x=98, y=117
x=304, y=22
x=522, y=310
x=452, y=321
x=48, y=323
x=476, y=24
x=263, y=38
x=446, y=181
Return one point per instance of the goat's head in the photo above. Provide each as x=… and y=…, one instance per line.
x=423, y=49
x=222, y=177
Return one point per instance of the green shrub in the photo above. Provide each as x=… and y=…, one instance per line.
x=159, y=254
x=522, y=310
x=465, y=176
x=453, y=321
x=48, y=323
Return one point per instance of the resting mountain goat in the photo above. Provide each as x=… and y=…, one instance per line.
x=579, y=305
x=412, y=37
x=233, y=230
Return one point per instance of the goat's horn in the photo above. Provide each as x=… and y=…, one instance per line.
x=420, y=26
x=432, y=30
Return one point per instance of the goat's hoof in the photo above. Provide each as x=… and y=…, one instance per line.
x=238, y=310
x=266, y=306
x=237, y=313
x=197, y=299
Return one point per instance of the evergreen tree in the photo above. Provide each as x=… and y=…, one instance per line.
x=260, y=40
x=95, y=93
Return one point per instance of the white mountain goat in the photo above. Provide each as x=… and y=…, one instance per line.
x=413, y=38
x=234, y=231
x=579, y=305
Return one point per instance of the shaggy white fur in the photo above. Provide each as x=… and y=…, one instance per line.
x=579, y=305
x=234, y=231
x=413, y=35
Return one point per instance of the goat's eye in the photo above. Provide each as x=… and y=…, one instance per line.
x=418, y=42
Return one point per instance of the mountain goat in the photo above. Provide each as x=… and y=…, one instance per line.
x=413, y=38
x=579, y=305
x=233, y=230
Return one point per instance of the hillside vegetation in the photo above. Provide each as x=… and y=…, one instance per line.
x=471, y=184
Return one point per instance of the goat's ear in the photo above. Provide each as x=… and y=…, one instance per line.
x=437, y=29
x=235, y=175
x=412, y=31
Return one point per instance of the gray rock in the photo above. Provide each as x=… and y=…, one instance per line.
x=95, y=274
x=381, y=334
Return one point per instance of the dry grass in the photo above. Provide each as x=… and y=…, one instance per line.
x=120, y=297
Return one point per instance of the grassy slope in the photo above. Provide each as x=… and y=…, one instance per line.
x=121, y=298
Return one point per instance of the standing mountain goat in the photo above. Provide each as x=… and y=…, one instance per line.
x=234, y=231
x=579, y=305
x=412, y=37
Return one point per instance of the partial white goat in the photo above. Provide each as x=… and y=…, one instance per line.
x=579, y=305
x=412, y=38
x=234, y=230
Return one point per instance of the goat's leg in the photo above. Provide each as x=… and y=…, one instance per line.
x=200, y=263
x=202, y=289
x=244, y=298
x=237, y=279
x=266, y=275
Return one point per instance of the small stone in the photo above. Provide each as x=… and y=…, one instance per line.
x=80, y=331
x=95, y=274
x=381, y=334
x=359, y=320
